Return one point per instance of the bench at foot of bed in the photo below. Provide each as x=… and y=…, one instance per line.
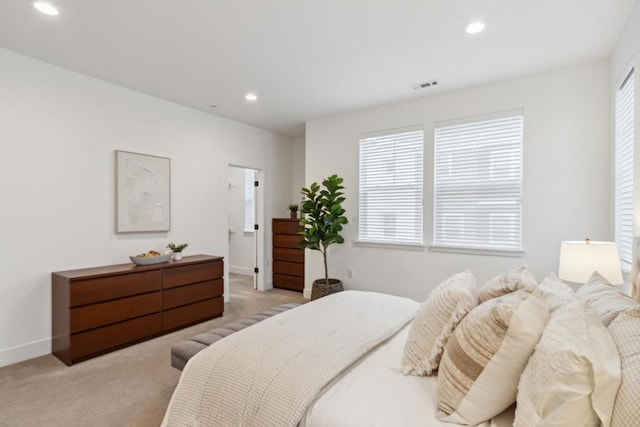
x=185, y=350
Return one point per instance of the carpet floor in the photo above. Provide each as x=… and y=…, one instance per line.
x=128, y=387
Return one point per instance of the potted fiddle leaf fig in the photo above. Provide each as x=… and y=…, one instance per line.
x=322, y=221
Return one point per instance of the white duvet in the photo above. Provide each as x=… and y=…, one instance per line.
x=372, y=393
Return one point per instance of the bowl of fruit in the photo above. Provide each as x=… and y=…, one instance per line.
x=151, y=257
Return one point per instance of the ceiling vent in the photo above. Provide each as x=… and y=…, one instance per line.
x=425, y=85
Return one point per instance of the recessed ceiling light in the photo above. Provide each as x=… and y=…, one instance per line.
x=251, y=97
x=46, y=8
x=474, y=27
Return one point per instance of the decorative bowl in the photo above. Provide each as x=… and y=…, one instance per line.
x=139, y=260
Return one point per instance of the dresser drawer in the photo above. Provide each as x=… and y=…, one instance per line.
x=182, y=295
x=178, y=276
x=98, y=340
x=290, y=268
x=284, y=241
x=192, y=313
x=105, y=313
x=107, y=288
x=290, y=255
x=294, y=283
x=286, y=227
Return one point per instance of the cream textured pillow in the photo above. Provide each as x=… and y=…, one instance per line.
x=485, y=355
x=572, y=377
x=625, y=330
x=607, y=300
x=556, y=293
x=508, y=282
x=434, y=322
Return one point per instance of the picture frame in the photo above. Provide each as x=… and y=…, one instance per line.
x=143, y=193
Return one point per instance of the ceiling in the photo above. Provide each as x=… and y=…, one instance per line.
x=308, y=59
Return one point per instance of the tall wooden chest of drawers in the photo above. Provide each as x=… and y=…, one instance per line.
x=97, y=310
x=288, y=256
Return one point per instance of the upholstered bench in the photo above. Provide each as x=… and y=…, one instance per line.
x=185, y=350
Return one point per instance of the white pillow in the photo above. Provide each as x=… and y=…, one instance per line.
x=607, y=300
x=556, y=293
x=435, y=320
x=487, y=352
x=625, y=330
x=573, y=375
x=505, y=283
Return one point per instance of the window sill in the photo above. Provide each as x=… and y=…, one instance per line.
x=404, y=246
x=477, y=251
x=248, y=232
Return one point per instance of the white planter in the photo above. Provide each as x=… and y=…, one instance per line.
x=177, y=256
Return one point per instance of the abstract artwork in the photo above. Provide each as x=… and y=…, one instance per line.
x=143, y=193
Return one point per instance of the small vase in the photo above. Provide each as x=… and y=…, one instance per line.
x=177, y=256
x=294, y=215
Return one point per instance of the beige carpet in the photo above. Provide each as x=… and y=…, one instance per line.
x=129, y=387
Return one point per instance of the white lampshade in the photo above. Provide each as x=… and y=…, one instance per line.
x=579, y=259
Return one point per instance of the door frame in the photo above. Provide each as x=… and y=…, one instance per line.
x=259, y=238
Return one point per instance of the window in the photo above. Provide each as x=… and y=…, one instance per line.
x=249, y=191
x=391, y=191
x=478, y=183
x=624, y=136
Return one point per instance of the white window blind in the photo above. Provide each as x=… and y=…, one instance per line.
x=249, y=191
x=391, y=192
x=624, y=136
x=478, y=183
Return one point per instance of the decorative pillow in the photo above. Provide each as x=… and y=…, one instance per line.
x=505, y=283
x=556, y=293
x=485, y=355
x=435, y=320
x=625, y=330
x=572, y=377
x=607, y=300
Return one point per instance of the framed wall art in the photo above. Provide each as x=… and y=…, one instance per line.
x=143, y=193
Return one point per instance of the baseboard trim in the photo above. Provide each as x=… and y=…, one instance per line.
x=24, y=352
x=245, y=271
x=306, y=293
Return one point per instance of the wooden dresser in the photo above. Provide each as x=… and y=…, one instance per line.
x=97, y=310
x=288, y=256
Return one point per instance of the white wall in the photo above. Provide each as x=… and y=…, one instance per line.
x=58, y=133
x=298, y=170
x=566, y=176
x=241, y=243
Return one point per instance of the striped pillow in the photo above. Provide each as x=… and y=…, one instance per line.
x=607, y=300
x=487, y=352
x=505, y=283
x=435, y=320
x=625, y=330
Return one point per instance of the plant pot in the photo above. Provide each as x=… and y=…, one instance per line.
x=294, y=215
x=177, y=256
x=321, y=289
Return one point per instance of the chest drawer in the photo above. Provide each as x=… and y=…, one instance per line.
x=286, y=241
x=288, y=254
x=107, y=288
x=184, y=275
x=183, y=295
x=92, y=316
x=286, y=227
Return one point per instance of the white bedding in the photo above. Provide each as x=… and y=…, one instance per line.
x=268, y=374
x=372, y=393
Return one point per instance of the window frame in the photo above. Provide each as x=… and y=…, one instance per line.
x=440, y=246
x=368, y=241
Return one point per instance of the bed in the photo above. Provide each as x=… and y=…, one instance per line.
x=337, y=362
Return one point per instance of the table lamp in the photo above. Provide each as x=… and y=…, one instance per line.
x=579, y=259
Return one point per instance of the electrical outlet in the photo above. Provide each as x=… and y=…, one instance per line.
x=349, y=273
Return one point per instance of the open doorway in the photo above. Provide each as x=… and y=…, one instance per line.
x=242, y=213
